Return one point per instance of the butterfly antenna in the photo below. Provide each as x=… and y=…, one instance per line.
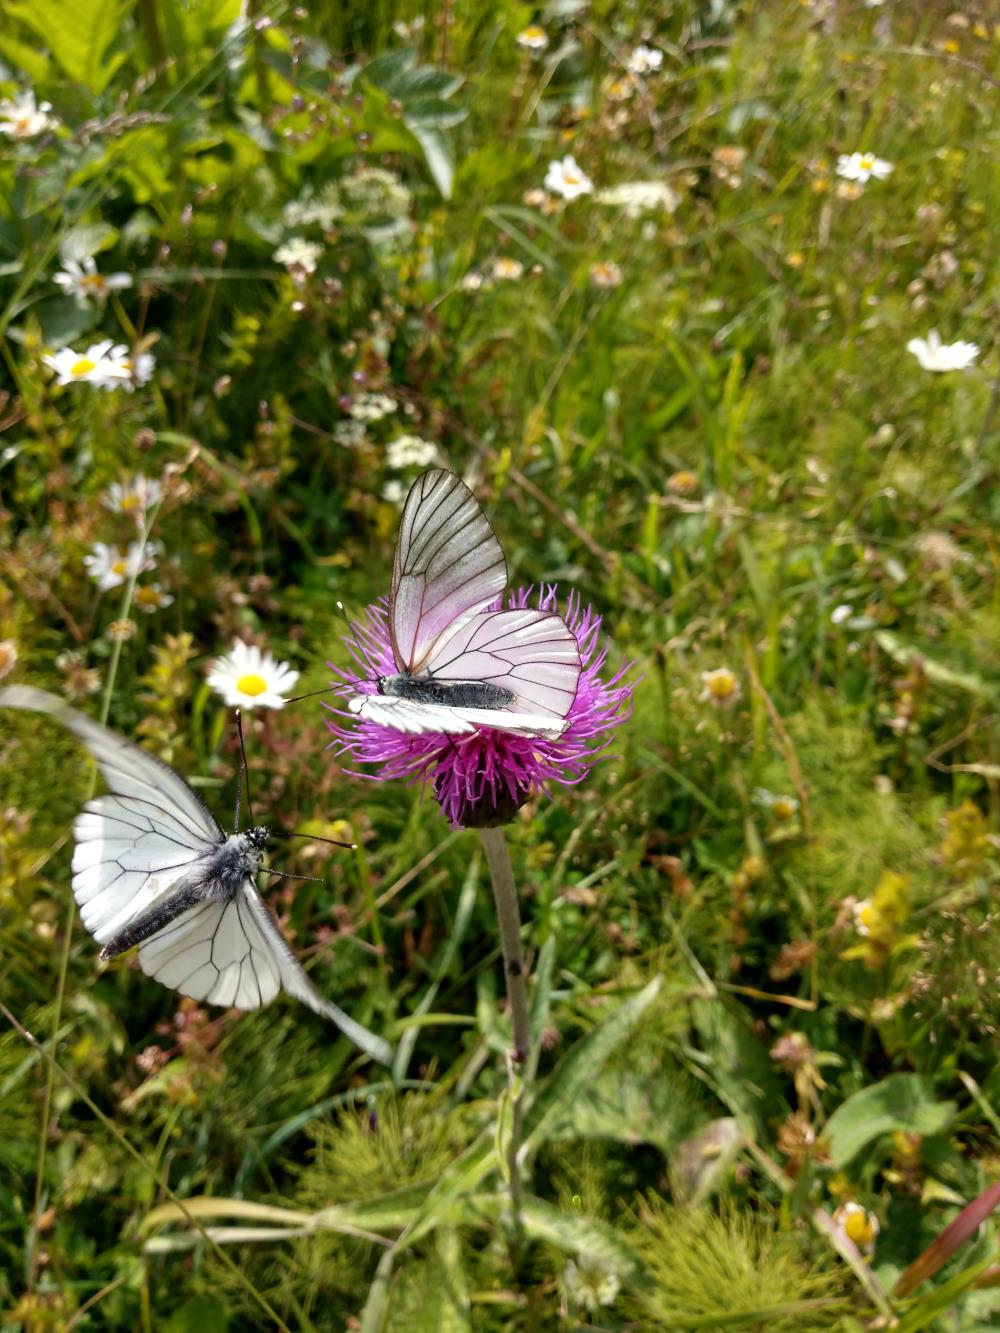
x=245, y=769
x=311, y=695
x=352, y=631
x=314, y=837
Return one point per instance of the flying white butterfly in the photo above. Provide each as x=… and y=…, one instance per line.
x=459, y=664
x=152, y=867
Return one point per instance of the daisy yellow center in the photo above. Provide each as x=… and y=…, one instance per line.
x=860, y=1229
x=533, y=34
x=783, y=808
x=23, y=124
x=571, y=178
x=867, y=161
x=93, y=280
x=82, y=367
x=251, y=684
x=130, y=503
x=722, y=686
x=118, y=567
x=147, y=596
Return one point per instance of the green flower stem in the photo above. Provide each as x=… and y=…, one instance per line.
x=509, y=920
x=43, y=1136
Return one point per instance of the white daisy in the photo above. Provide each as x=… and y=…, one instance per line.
x=507, y=270
x=606, y=274
x=591, y=1283
x=393, y=492
x=133, y=497
x=720, y=687
x=533, y=38
x=567, y=178
x=638, y=197
x=299, y=256
x=862, y=166
x=85, y=283
x=471, y=281
x=151, y=597
x=106, y=365
x=933, y=354
x=109, y=567
x=22, y=118
x=859, y=1225
x=645, y=60
x=410, y=451
x=250, y=678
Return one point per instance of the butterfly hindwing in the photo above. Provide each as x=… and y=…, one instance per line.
x=533, y=654
x=448, y=565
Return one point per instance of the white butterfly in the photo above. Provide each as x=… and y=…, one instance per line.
x=152, y=867
x=460, y=665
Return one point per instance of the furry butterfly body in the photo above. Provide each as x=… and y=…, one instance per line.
x=153, y=868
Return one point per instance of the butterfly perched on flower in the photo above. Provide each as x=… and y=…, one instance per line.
x=461, y=662
x=152, y=867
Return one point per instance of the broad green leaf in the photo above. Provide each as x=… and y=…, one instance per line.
x=577, y=1070
x=939, y=672
x=901, y=1101
x=34, y=63
x=78, y=36
x=743, y=1075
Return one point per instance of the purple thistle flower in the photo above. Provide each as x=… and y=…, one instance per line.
x=483, y=777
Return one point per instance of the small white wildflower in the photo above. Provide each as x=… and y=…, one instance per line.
x=372, y=407
x=782, y=807
x=859, y=1225
x=637, y=197
x=105, y=365
x=410, y=451
x=864, y=914
x=23, y=118
x=720, y=687
x=133, y=497
x=567, y=179
x=349, y=434
x=299, y=256
x=606, y=274
x=935, y=355
x=862, y=167
x=533, y=38
x=842, y=613
x=507, y=270
x=151, y=597
x=645, y=60
x=591, y=1283
x=393, y=492
x=471, y=281
x=83, y=281
x=109, y=567
x=247, y=677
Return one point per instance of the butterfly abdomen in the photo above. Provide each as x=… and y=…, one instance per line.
x=452, y=694
x=148, y=923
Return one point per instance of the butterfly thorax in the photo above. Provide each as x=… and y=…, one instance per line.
x=451, y=693
x=222, y=873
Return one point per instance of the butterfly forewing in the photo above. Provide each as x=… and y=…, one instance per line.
x=533, y=654
x=448, y=565
x=123, y=862
x=415, y=717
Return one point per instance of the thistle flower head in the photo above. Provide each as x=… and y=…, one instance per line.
x=481, y=778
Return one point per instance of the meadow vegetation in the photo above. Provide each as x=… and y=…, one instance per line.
x=614, y=264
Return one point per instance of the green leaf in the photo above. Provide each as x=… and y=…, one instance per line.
x=79, y=39
x=901, y=1101
x=939, y=672
x=942, y=1298
x=201, y=1313
x=742, y=1074
x=577, y=1070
